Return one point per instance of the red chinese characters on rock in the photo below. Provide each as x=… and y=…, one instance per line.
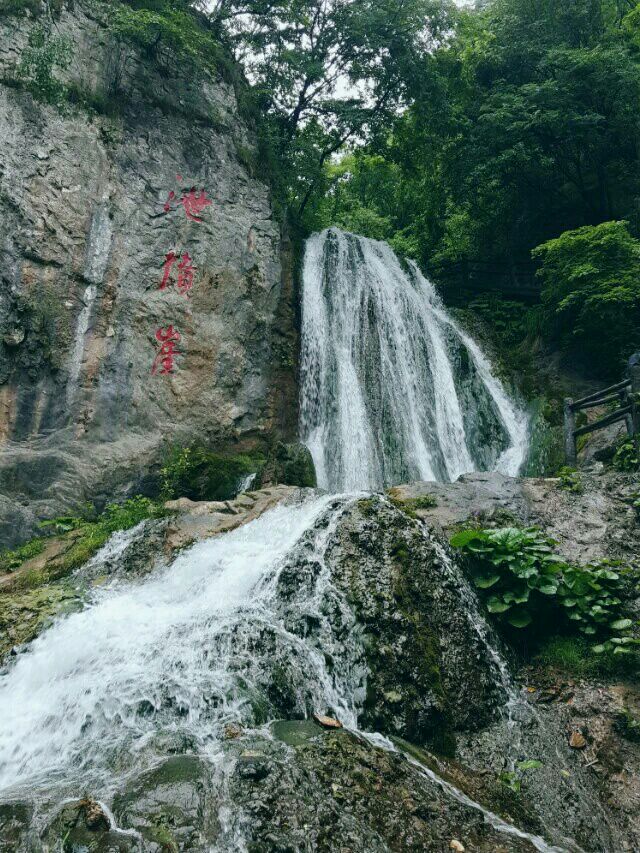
x=186, y=271
x=164, y=361
x=169, y=260
x=192, y=202
x=185, y=274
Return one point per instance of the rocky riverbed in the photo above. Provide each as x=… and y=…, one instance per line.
x=372, y=593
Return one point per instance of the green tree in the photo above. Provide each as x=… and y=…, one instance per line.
x=591, y=280
x=328, y=72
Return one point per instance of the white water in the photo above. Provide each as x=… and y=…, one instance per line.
x=392, y=390
x=386, y=397
x=162, y=653
x=180, y=652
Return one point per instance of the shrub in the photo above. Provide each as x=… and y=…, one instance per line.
x=12, y=560
x=591, y=279
x=199, y=474
x=570, y=480
x=627, y=457
x=524, y=583
x=167, y=29
x=42, y=56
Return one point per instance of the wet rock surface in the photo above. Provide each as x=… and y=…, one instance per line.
x=332, y=791
x=428, y=667
x=170, y=807
x=377, y=595
x=595, y=523
x=84, y=239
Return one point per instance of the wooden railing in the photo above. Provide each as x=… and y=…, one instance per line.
x=626, y=394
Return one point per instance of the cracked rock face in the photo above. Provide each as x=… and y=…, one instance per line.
x=86, y=236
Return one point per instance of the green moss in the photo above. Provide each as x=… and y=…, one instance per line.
x=367, y=507
x=20, y=7
x=162, y=836
x=425, y=645
x=409, y=506
x=47, y=328
x=200, y=474
x=294, y=466
x=573, y=656
x=400, y=552
x=25, y=611
x=12, y=560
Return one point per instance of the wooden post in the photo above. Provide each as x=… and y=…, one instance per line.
x=634, y=394
x=570, y=447
x=627, y=400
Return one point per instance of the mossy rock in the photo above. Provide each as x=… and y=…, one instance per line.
x=204, y=475
x=170, y=806
x=24, y=613
x=289, y=465
x=81, y=826
x=428, y=672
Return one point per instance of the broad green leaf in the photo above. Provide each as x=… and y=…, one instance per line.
x=496, y=605
x=520, y=619
x=530, y=764
x=486, y=581
x=621, y=624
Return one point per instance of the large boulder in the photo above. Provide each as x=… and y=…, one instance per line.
x=85, y=237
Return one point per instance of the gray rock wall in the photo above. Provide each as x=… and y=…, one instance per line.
x=83, y=239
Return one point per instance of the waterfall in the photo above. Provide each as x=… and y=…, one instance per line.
x=176, y=651
x=392, y=390
x=184, y=652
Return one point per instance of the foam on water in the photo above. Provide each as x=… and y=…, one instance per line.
x=145, y=654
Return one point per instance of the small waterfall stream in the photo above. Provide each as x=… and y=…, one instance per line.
x=392, y=390
x=91, y=690
x=184, y=652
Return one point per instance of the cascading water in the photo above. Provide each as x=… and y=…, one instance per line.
x=177, y=651
x=184, y=652
x=392, y=390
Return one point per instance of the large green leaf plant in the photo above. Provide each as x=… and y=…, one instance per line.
x=522, y=581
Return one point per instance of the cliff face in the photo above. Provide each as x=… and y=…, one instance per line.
x=152, y=184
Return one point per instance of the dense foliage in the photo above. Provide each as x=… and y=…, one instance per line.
x=591, y=281
x=170, y=30
x=525, y=583
x=200, y=474
x=523, y=125
x=497, y=137
x=327, y=74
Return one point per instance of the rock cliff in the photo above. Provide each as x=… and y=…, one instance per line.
x=142, y=296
